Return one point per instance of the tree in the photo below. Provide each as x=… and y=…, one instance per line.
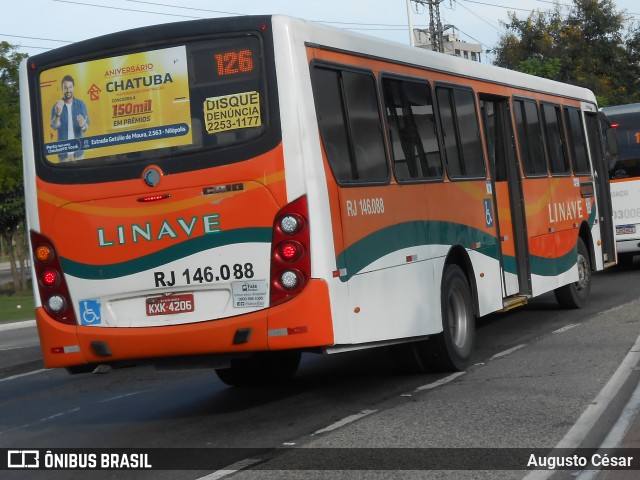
x=12, y=217
x=588, y=48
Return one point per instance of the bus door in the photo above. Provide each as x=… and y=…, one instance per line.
x=507, y=187
x=603, y=192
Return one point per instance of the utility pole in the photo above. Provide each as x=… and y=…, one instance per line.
x=435, y=24
x=412, y=38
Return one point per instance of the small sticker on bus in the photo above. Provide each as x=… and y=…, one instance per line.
x=249, y=294
x=90, y=312
x=232, y=112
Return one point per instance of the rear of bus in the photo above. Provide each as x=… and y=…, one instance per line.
x=165, y=228
x=624, y=173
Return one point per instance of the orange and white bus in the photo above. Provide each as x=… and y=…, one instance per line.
x=234, y=192
x=624, y=174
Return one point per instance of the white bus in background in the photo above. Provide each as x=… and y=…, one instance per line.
x=624, y=172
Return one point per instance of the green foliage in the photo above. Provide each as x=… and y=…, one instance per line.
x=12, y=217
x=10, y=143
x=16, y=306
x=11, y=210
x=11, y=192
x=588, y=47
x=548, y=68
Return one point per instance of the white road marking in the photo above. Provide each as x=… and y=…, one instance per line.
x=507, y=352
x=619, y=430
x=21, y=375
x=442, y=381
x=121, y=396
x=231, y=469
x=41, y=420
x=566, y=327
x=18, y=347
x=345, y=421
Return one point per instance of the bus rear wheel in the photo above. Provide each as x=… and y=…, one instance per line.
x=452, y=349
x=261, y=369
x=576, y=294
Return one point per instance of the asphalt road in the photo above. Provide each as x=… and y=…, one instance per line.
x=537, y=370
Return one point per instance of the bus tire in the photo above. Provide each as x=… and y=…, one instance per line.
x=576, y=294
x=625, y=259
x=452, y=349
x=261, y=369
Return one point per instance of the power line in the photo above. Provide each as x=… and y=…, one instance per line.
x=186, y=8
x=111, y=7
x=209, y=11
x=33, y=46
x=509, y=7
x=36, y=38
x=356, y=26
x=244, y=14
x=498, y=6
x=353, y=25
x=479, y=17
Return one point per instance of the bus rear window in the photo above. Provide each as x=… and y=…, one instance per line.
x=154, y=104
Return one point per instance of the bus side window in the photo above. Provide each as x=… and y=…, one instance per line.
x=349, y=121
x=461, y=132
x=412, y=129
x=577, y=141
x=530, y=138
x=555, y=145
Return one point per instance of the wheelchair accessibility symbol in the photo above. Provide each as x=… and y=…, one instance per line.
x=488, y=213
x=90, y=312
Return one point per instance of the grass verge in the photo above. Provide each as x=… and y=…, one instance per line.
x=16, y=306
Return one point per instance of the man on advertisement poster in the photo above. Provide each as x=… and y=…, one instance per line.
x=69, y=117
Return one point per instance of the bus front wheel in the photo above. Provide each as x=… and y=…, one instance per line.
x=576, y=294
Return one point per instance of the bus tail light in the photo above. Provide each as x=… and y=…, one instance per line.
x=290, y=254
x=52, y=288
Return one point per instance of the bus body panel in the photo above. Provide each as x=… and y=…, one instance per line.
x=555, y=212
x=303, y=162
x=378, y=252
x=197, y=241
x=555, y=207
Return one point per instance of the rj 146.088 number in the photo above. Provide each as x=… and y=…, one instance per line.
x=191, y=276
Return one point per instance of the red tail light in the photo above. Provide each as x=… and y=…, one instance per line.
x=290, y=254
x=52, y=288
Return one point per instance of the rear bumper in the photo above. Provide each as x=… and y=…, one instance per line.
x=303, y=322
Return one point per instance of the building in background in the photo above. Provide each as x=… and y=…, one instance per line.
x=451, y=45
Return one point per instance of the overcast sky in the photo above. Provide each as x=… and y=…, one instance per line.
x=40, y=25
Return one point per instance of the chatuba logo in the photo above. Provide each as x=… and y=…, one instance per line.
x=94, y=92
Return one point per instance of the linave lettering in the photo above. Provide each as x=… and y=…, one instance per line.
x=174, y=229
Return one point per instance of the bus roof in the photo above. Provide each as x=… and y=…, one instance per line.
x=622, y=109
x=336, y=38
x=324, y=36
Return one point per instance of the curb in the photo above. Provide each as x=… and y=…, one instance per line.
x=17, y=325
x=601, y=415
